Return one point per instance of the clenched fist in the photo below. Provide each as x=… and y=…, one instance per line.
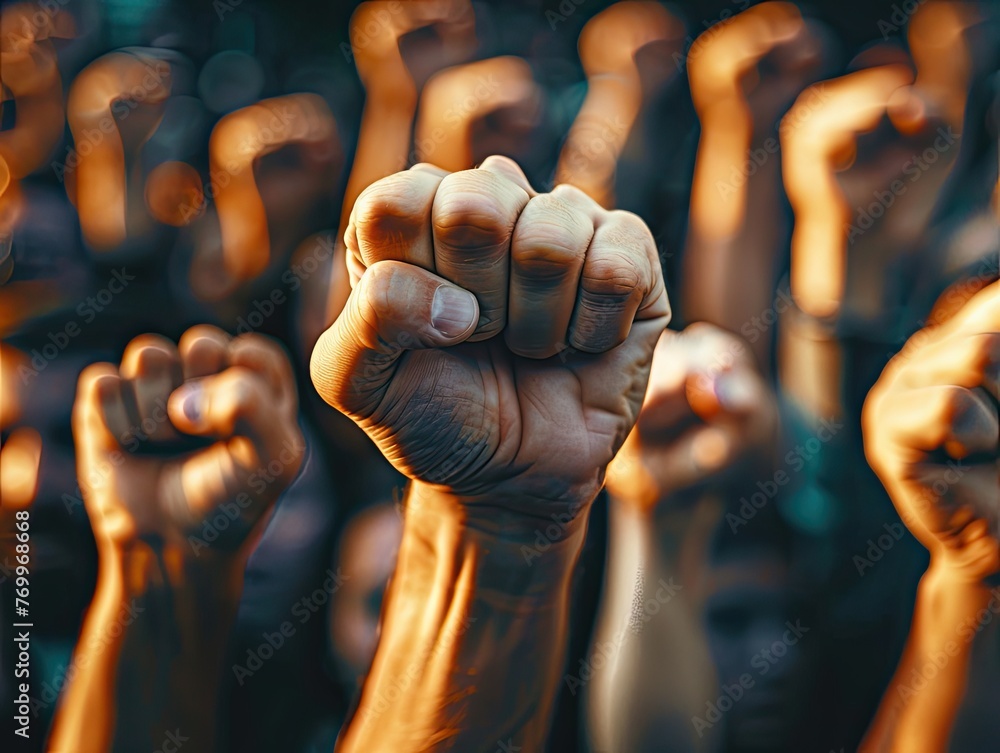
x=932, y=435
x=240, y=392
x=497, y=341
x=706, y=409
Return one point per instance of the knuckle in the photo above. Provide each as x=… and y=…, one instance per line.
x=389, y=208
x=470, y=211
x=550, y=240
x=613, y=275
x=247, y=388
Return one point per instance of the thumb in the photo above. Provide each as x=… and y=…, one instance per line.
x=395, y=307
x=260, y=450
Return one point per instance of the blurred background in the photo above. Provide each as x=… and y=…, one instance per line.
x=816, y=176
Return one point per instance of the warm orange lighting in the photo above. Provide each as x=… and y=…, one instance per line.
x=139, y=76
x=719, y=61
x=29, y=71
x=456, y=98
x=19, y=461
x=238, y=140
x=174, y=193
x=608, y=46
x=390, y=97
x=815, y=136
x=943, y=59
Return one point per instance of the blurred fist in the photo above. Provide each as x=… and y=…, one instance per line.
x=706, y=409
x=497, y=341
x=128, y=423
x=931, y=434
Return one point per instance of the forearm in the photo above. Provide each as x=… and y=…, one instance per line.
x=921, y=703
x=473, y=631
x=151, y=654
x=646, y=622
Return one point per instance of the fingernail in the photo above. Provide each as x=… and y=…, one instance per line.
x=453, y=311
x=735, y=391
x=191, y=401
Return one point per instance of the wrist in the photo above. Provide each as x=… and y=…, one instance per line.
x=516, y=553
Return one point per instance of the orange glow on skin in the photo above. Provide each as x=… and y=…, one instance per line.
x=608, y=46
x=100, y=173
x=238, y=140
x=451, y=104
x=817, y=143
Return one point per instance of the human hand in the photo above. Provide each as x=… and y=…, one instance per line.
x=240, y=392
x=706, y=409
x=441, y=265
x=931, y=434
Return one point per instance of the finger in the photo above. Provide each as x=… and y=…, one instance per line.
x=429, y=168
x=265, y=356
x=99, y=413
x=696, y=454
x=963, y=493
x=509, y=169
x=618, y=284
x=394, y=308
x=736, y=393
x=951, y=418
x=548, y=249
x=982, y=312
x=151, y=367
x=237, y=406
x=971, y=360
x=204, y=350
x=473, y=220
x=391, y=220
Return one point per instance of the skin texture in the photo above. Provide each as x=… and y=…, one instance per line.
x=169, y=576
x=505, y=415
x=931, y=434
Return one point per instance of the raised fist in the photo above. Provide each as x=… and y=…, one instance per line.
x=932, y=435
x=497, y=341
x=706, y=410
x=128, y=422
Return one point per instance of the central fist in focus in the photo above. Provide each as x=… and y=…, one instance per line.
x=497, y=341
